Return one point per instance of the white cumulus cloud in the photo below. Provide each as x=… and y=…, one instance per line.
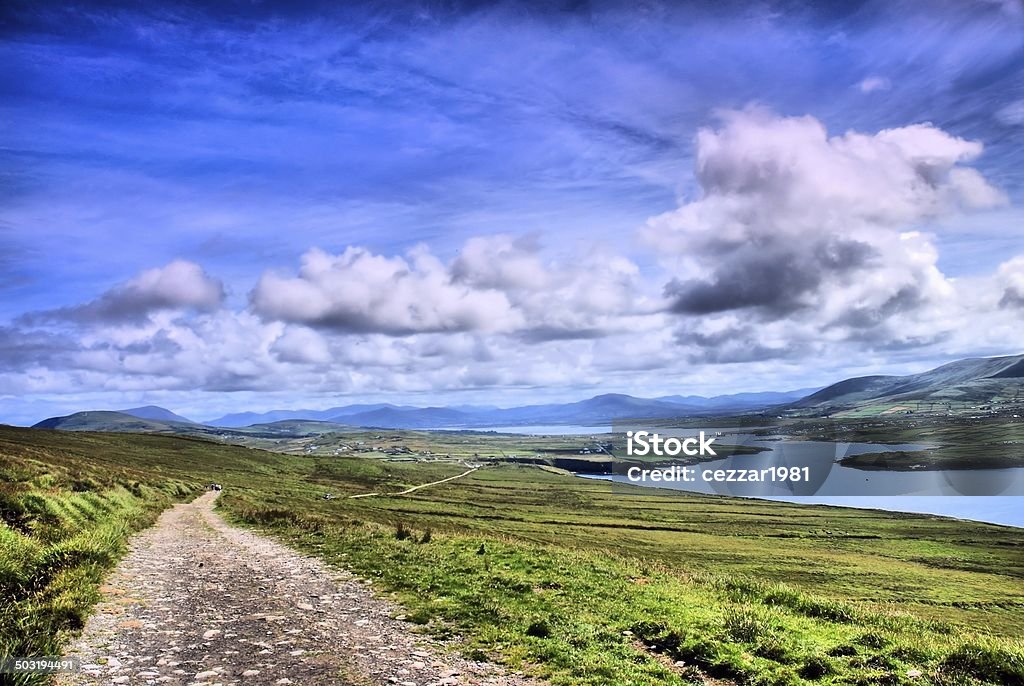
x=497, y=284
x=358, y=291
x=797, y=225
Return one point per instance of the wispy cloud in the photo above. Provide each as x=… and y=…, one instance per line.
x=872, y=84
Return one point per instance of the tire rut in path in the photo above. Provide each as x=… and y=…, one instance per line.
x=197, y=601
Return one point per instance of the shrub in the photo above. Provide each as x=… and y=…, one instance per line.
x=12, y=511
x=873, y=640
x=84, y=484
x=987, y=663
x=539, y=629
x=817, y=667
x=747, y=625
x=270, y=516
x=775, y=649
x=843, y=651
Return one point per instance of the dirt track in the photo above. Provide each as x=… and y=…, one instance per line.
x=197, y=601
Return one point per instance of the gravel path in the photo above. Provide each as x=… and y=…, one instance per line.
x=197, y=601
x=421, y=486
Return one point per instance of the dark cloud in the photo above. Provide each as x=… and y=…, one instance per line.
x=741, y=353
x=906, y=299
x=159, y=344
x=1012, y=297
x=774, y=275
x=227, y=381
x=20, y=349
x=543, y=334
x=731, y=345
x=890, y=340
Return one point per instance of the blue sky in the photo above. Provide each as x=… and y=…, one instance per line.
x=238, y=137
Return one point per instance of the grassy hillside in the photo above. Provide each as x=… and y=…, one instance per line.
x=605, y=584
x=581, y=581
x=989, y=385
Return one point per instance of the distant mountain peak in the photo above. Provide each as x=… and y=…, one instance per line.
x=156, y=412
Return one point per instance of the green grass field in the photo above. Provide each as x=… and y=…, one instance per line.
x=579, y=581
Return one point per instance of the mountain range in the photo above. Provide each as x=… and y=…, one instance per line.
x=600, y=408
x=964, y=385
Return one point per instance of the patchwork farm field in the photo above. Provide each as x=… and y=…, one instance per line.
x=577, y=581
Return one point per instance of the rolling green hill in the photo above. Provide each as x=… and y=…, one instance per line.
x=105, y=420
x=102, y=420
